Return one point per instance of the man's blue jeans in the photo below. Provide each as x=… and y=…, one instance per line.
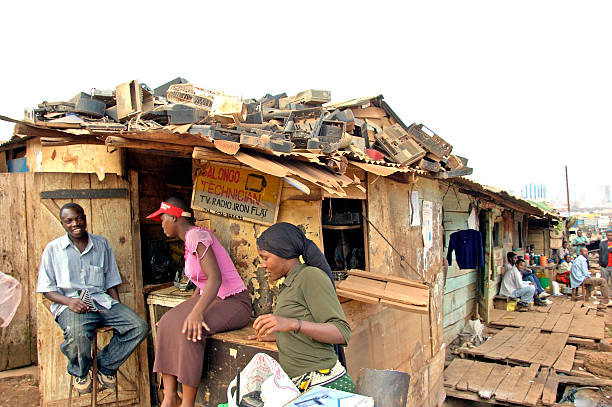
x=78, y=332
x=525, y=293
x=536, y=282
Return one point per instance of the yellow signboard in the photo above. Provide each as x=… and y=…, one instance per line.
x=237, y=192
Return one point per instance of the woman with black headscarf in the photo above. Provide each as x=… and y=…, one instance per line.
x=308, y=320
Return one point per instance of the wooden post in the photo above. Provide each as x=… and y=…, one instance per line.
x=567, y=190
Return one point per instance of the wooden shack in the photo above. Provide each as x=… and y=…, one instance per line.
x=396, y=231
x=506, y=224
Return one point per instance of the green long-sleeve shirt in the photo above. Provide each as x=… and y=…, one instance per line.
x=307, y=294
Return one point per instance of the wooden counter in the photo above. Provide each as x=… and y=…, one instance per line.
x=225, y=352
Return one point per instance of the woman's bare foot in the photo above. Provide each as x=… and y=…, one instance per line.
x=171, y=400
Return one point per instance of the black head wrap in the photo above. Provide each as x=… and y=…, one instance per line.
x=289, y=242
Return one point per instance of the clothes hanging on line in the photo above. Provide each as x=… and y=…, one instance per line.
x=467, y=245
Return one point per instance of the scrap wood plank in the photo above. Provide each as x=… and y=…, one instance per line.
x=364, y=286
x=531, y=347
x=406, y=294
x=545, y=309
x=505, y=319
x=585, y=381
x=405, y=307
x=551, y=351
x=534, y=319
x=589, y=343
x=550, y=322
x=509, y=346
x=523, y=319
x=565, y=362
x=523, y=385
x=456, y=370
x=495, y=378
x=563, y=323
x=495, y=314
x=478, y=376
x=462, y=384
x=381, y=277
x=494, y=342
x=549, y=393
x=535, y=392
x=566, y=306
x=358, y=297
x=578, y=305
x=593, y=328
x=504, y=391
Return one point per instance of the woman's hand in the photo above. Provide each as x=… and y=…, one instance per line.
x=192, y=326
x=266, y=325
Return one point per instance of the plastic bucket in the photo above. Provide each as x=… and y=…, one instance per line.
x=545, y=282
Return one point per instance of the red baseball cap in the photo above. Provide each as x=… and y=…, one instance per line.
x=170, y=210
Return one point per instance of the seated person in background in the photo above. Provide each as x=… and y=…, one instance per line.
x=563, y=251
x=529, y=276
x=580, y=275
x=564, y=269
x=513, y=286
x=511, y=257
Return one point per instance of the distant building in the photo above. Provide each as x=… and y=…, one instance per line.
x=534, y=192
x=606, y=194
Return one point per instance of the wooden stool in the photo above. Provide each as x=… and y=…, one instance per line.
x=576, y=296
x=94, y=371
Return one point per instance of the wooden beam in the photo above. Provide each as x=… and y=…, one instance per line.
x=147, y=145
x=212, y=154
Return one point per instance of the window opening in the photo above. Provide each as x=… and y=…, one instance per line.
x=343, y=235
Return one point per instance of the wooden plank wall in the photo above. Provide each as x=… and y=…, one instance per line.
x=496, y=272
x=18, y=340
x=460, y=291
x=111, y=218
x=419, y=336
x=78, y=158
x=239, y=238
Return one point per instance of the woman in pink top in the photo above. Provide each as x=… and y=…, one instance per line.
x=221, y=303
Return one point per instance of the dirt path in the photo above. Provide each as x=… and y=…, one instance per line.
x=19, y=391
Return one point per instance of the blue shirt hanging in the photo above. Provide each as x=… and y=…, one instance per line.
x=467, y=245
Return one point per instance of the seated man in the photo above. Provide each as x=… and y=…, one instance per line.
x=79, y=275
x=528, y=276
x=580, y=275
x=513, y=286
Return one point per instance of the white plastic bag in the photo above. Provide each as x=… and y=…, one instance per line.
x=10, y=297
x=555, y=288
x=279, y=389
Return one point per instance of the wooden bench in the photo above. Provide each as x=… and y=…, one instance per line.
x=501, y=302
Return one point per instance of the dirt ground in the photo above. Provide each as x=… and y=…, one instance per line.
x=19, y=391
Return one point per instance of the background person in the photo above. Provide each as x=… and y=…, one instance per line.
x=579, y=241
x=605, y=256
x=580, y=274
x=514, y=286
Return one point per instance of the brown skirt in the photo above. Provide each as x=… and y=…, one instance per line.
x=177, y=356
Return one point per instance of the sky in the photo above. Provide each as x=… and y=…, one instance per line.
x=521, y=88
